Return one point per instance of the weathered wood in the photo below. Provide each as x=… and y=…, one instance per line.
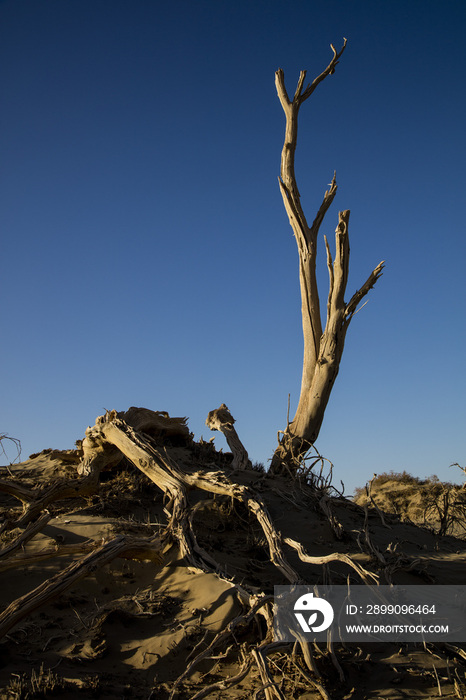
x=322, y=348
x=222, y=420
x=71, y=488
x=22, y=493
x=241, y=621
x=28, y=533
x=367, y=576
x=156, y=423
x=37, y=499
x=62, y=581
x=174, y=481
x=63, y=550
x=269, y=687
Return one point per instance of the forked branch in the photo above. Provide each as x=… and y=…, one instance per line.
x=323, y=348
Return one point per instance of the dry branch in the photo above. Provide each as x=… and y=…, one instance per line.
x=31, y=530
x=367, y=576
x=173, y=481
x=71, y=488
x=55, y=586
x=37, y=499
x=22, y=493
x=270, y=688
x=308, y=657
x=156, y=424
x=64, y=550
x=241, y=621
x=228, y=682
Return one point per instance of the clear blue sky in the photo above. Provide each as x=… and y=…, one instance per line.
x=146, y=256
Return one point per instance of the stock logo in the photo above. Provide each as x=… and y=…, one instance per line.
x=313, y=606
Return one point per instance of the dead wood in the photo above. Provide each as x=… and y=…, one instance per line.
x=366, y=575
x=244, y=669
x=323, y=348
x=156, y=424
x=64, y=550
x=63, y=580
x=312, y=681
x=35, y=500
x=240, y=621
x=30, y=531
x=221, y=419
x=104, y=445
x=22, y=493
x=70, y=488
x=306, y=651
x=173, y=481
x=270, y=688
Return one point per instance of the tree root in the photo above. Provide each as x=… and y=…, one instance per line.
x=173, y=481
x=245, y=667
x=270, y=688
x=64, y=550
x=52, y=588
x=39, y=499
x=133, y=436
x=241, y=621
x=366, y=575
x=30, y=531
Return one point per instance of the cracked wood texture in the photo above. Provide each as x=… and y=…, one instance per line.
x=323, y=348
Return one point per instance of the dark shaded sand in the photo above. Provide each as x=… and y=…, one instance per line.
x=130, y=628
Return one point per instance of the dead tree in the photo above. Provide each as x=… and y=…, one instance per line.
x=323, y=348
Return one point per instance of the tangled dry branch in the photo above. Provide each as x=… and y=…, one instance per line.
x=136, y=436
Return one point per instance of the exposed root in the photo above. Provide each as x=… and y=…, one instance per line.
x=173, y=481
x=52, y=588
x=241, y=621
x=31, y=530
x=270, y=688
x=280, y=665
x=366, y=575
x=246, y=663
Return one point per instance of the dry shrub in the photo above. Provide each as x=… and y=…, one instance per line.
x=441, y=506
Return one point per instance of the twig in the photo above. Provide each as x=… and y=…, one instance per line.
x=438, y=680
x=369, y=495
x=241, y=620
x=227, y=682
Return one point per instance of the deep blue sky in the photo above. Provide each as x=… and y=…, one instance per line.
x=146, y=256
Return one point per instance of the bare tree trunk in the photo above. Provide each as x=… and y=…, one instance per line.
x=322, y=348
